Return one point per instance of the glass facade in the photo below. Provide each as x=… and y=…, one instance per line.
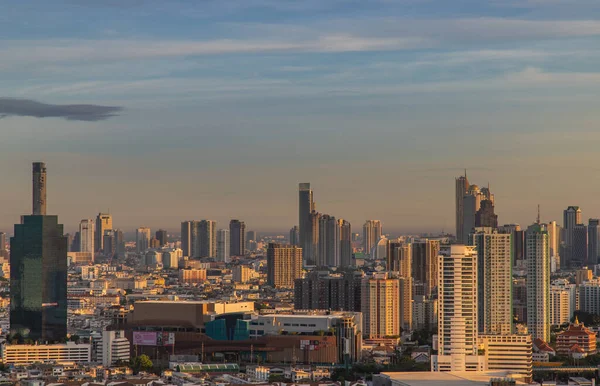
x=38, y=279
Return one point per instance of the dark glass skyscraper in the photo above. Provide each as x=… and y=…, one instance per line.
x=38, y=278
x=237, y=238
x=305, y=207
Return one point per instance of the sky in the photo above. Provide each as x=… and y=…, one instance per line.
x=164, y=111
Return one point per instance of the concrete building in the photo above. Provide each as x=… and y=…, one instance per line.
x=103, y=222
x=560, y=305
x=508, y=353
x=284, y=265
x=572, y=217
x=242, y=273
x=425, y=313
x=329, y=242
x=494, y=284
x=538, y=282
x=224, y=245
x=345, y=231
x=114, y=347
x=26, y=354
x=86, y=236
x=142, y=239
x=372, y=232
x=589, y=297
x=324, y=291
x=554, y=245
x=579, y=257
x=457, y=318
x=295, y=236
x=192, y=276
x=380, y=306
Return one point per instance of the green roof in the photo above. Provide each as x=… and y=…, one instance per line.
x=201, y=367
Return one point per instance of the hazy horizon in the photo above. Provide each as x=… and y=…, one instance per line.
x=169, y=111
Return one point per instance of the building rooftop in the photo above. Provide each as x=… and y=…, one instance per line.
x=427, y=378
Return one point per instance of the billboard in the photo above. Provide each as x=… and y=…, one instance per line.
x=145, y=338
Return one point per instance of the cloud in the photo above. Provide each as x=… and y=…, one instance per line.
x=31, y=108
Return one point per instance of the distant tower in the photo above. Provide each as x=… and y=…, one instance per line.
x=461, y=187
x=237, y=234
x=305, y=207
x=142, y=239
x=372, y=232
x=39, y=189
x=86, y=236
x=538, y=282
x=572, y=217
x=425, y=257
x=295, y=236
x=345, y=230
x=223, y=245
x=593, y=240
x=161, y=236
x=38, y=275
x=103, y=222
x=380, y=305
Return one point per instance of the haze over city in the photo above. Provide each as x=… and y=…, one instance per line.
x=220, y=111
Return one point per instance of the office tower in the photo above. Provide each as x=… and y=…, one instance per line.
x=457, y=304
x=380, y=305
x=425, y=255
x=38, y=275
x=572, y=217
x=251, y=241
x=103, y=222
x=320, y=290
x=593, y=246
x=284, y=265
x=142, y=239
x=86, y=236
x=237, y=238
x=329, y=242
x=471, y=205
x=76, y=243
x=306, y=206
x=462, y=185
x=108, y=240
x=399, y=257
x=186, y=237
x=161, y=236
x=223, y=245
x=579, y=254
x=295, y=236
x=315, y=222
x=207, y=239
x=39, y=189
x=251, y=236
x=119, y=244
x=485, y=216
x=494, y=282
x=372, y=232
x=345, y=230
x=538, y=282
x=2, y=241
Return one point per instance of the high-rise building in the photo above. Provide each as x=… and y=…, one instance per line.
x=399, y=256
x=295, y=236
x=284, y=265
x=315, y=222
x=110, y=247
x=119, y=244
x=538, y=282
x=380, y=306
x=494, y=283
x=572, y=217
x=322, y=291
x=560, y=305
x=38, y=275
x=237, y=238
x=471, y=205
x=142, y=239
x=457, y=304
x=223, y=245
x=306, y=206
x=161, y=236
x=251, y=236
x=372, y=232
x=329, y=242
x=518, y=243
x=39, y=189
x=345, y=230
x=186, y=237
x=206, y=242
x=485, y=216
x=462, y=185
x=579, y=250
x=425, y=255
x=553, y=244
x=76, y=243
x=593, y=245
x=2, y=241
x=103, y=222
x=86, y=236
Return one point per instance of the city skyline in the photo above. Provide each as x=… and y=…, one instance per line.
x=197, y=114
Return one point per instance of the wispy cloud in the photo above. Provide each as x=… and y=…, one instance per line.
x=31, y=108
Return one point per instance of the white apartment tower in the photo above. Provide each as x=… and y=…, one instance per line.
x=223, y=248
x=372, y=232
x=538, y=282
x=494, y=284
x=457, y=315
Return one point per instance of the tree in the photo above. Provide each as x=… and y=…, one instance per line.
x=141, y=363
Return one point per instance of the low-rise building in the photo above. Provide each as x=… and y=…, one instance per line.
x=26, y=354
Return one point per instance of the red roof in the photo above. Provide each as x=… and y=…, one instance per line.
x=576, y=349
x=542, y=346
